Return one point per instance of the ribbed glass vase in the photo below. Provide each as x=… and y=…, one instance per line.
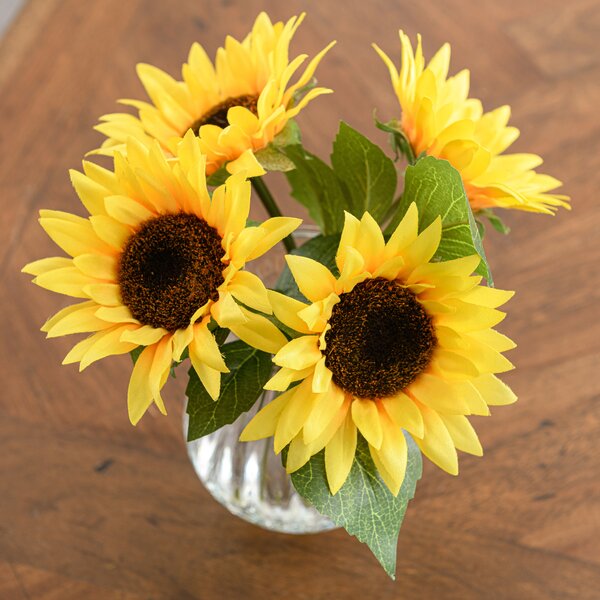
x=247, y=477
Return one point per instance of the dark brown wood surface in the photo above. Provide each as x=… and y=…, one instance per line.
x=93, y=508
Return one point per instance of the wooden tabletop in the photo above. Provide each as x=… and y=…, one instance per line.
x=93, y=508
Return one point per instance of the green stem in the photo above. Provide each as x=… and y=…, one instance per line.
x=260, y=187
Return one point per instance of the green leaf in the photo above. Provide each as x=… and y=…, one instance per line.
x=367, y=172
x=364, y=506
x=321, y=248
x=218, y=177
x=495, y=221
x=271, y=157
x=240, y=388
x=316, y=186
x=398, y=140
x=437, y=188
x=135, y=353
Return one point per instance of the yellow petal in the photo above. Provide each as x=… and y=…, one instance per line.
x=112, y=232
x=282, y=380
x=78, y=318
x=146, y=335
x=106, y=294
x=248, y=289
x=116, y=314
x=106, y=343
x=264, y=423
x=69, y=281
x=366, y=417
x=100, y=266
x=370, y=242
x=450, y=365
x=438, y=394
x=323, y=412
x=139, y=396
x=127, y=211
x=348, y=239
x=392, y=455
x=405, y=234
x=299, y=353
x=405, y=413
x=259, y=332
x=494, y=391
x=321, y=378
x=275, y=229
x=74, y=235
x=227, y=312
x=38, y=267
x=486, y=296
x=286, y=309
x=339, y=454
x=437, y=445
x=462, y=433
x=294, y=415
x=314, y=280
x=425, y=246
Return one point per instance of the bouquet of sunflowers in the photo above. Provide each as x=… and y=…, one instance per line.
x=378, y=338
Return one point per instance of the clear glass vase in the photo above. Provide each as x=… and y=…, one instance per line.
x=247, y=477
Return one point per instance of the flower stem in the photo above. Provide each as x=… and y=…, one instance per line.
x=260, y=187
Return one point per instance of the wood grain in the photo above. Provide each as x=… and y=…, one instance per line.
x=521, y=523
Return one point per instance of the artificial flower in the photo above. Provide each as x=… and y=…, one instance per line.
x=157, y=264
x=439, y=119
x=236, y=106
x=395, y=342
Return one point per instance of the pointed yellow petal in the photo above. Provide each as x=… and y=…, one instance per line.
x=78, y=318
x=294, y=415
x=259, y=332
x=146, y=335
x=339, y=454
x=282, y=380
x=248, y=289
x=227, y=312
x=106, y=343
x=299, y=353
x=462, y=433
x=494, y=391
x=38, y=267
x=275, y=230
x=264, y=423
x=286, y=309
x=438, y=394
x=323, y=413
x=425, y=246
x=314, y=280
x=405, y=234
x=139, y=396
x=321, y=378
x=366, y=417
x=404, y=412
x=392, y=454
x=437, y=444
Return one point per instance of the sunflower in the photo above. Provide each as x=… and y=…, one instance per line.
x=395, y=342
x=236, y=107
x=439, y=119
x=158, y=264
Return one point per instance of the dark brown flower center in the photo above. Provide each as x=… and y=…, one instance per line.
x=217, y=115
x=169, y=268
x=380, y=339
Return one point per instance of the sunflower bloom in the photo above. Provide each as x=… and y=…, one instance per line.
x=236, y=106
x=157, y=264
x=395, y=342
x=439, y=119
